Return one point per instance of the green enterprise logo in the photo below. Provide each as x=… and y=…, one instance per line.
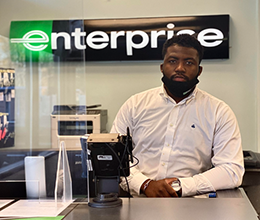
x=30, y=41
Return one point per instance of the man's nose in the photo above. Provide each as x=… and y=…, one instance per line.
x=180, y=67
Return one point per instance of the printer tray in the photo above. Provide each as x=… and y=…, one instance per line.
x=251, y=159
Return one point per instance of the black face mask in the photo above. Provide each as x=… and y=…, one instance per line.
x=179, y=89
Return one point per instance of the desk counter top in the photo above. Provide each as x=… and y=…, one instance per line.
x=227, y=205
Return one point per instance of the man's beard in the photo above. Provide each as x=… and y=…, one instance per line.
x=177, y=88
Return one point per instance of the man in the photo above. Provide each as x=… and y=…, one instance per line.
x=182, y=136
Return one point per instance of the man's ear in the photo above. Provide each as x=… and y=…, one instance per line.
x=200, y=70
x=161, y=67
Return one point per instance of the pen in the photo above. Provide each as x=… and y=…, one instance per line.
x=212, y=195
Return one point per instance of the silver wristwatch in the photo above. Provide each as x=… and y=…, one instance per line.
x=176, y=185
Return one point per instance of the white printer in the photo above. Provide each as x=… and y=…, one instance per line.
x=70, y=122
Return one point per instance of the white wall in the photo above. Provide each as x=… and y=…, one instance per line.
x=234, y=80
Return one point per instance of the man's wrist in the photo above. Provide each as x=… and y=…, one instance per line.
x=145, y=185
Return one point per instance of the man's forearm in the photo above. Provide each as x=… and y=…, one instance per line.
x=221, y=177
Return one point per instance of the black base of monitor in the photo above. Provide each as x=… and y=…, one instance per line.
x=105, y=201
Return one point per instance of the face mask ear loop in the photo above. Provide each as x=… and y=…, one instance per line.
x=199, y=71
x=179, y=89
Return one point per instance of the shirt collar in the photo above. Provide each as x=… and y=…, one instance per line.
x=167, y=98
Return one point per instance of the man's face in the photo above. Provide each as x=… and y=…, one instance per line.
x=182, y=63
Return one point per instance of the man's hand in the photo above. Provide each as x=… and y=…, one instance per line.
x=160, y=188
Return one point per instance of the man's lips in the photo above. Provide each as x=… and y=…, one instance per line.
x=179, y=79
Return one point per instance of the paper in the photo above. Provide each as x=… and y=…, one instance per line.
x=34, y=208
x=12, y=93
x=43, y=218
x=37, y=218
x=4, y=202
x=1, y=96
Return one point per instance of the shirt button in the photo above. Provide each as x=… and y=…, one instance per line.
x=171, y=125
x=163, y=164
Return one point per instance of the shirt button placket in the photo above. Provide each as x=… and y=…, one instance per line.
x=170, y=131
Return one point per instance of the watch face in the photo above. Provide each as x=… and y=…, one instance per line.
x=176, y=185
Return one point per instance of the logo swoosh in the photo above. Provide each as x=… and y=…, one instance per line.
x=27, y=40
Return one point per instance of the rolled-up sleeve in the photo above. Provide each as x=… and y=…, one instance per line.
x=227, y=159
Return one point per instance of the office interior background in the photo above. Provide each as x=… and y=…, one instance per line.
x=40, y=86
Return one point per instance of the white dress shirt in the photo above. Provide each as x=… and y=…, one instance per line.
x=196, y=140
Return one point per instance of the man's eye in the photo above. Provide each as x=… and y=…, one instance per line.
x=172, y=61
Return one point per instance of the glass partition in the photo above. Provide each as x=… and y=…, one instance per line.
x=30, y=90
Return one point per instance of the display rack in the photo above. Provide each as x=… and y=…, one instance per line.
x=7, y=106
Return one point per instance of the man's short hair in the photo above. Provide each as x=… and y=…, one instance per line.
x=184, y=40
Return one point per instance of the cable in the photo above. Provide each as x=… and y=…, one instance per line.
x=120, y=166
x=136, y=162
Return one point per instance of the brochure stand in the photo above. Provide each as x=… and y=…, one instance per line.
x=86, y=163
x=63, y=185
x=35, y=177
